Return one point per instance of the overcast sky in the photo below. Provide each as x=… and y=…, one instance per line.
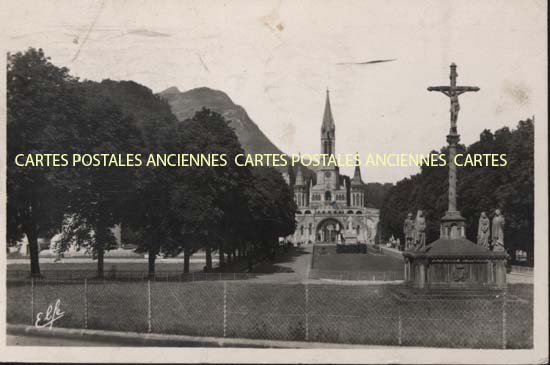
x=276, y=59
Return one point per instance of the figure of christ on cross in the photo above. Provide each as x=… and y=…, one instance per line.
x=453, y=92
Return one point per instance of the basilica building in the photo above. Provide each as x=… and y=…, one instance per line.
x=333, y=209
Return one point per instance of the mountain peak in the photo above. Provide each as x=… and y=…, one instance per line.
x=170, y=90
x=185, y=104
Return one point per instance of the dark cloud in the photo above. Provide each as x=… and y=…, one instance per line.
x=367, y=62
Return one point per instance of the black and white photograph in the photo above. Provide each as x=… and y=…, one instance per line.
x=274, y=181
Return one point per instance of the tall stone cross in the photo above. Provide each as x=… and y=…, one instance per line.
x=453, y=91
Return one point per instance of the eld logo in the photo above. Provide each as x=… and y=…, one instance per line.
x=53, y=313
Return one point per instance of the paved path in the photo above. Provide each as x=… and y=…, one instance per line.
x=26, y=340
x=519, y=278
x=291, y=267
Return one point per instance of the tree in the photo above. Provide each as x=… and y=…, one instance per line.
x=43, y=111
x=272, y=209
x=100, y=195
x=220, y=216
x=375, y=194
x=509, y=188
x=147, y=125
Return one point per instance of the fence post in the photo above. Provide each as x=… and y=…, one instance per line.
x=306, y=311
x=504, y=320
x=149, y=306
x=399, y=325
x=32, y=301
x=224, y=308
x=85, y=303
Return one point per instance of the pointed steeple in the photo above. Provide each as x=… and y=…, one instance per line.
x=328, y=130
x=328, y=120
x=356, y=179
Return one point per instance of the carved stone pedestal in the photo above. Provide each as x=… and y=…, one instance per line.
x=350, y=237
x=455, y=264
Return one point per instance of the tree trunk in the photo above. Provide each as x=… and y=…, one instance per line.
x=34, y=252
x=186, y=256
x=151, y=259
x=208, y=259
x=100, y=257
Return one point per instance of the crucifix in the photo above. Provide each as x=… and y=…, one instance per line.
x=452, y=91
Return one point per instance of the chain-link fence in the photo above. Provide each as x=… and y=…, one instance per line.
x=130, y=275
x=356, y=314
x=356, y=275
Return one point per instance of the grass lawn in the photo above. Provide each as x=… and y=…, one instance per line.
x=362, y=314
x=325, y=258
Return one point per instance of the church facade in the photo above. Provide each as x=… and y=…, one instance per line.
x=333, y=209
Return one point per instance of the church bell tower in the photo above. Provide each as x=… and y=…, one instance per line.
x=328, y=175
x=328, y=130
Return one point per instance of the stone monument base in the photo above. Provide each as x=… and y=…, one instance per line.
x=455, y=264
x=350, y=238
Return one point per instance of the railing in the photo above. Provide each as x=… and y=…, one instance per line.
x=374, y=276
x=357, y=314
x=128, y=275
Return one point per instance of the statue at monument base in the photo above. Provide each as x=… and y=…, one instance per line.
x=350, y=235
x=408, y=231
x=419, y=231
x=498, y=232
x=483, y=231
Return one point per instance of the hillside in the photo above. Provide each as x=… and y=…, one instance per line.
x=185, y=104
x=253, y=140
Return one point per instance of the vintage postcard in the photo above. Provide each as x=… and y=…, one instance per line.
x=274, y=181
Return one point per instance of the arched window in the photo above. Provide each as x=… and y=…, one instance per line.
x=328, y=196
x=301, y=230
